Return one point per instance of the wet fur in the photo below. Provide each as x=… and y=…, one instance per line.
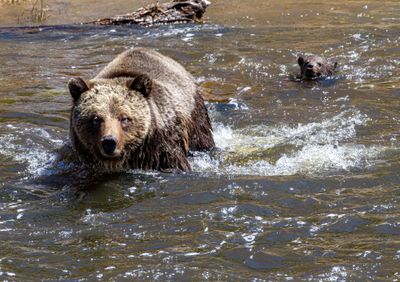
x=178, y=119
x=313, y=67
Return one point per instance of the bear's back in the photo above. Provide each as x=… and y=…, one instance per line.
x=158, y=67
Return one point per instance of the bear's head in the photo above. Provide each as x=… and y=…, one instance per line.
x=110, y=117
x=315, y=66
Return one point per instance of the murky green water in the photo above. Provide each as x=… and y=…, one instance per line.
x=305, y=185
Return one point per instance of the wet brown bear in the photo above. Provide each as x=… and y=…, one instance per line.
x=142, y=111
x=315, y=67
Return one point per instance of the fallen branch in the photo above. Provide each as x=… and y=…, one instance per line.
x=175, y=12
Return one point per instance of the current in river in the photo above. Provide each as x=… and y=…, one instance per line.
x=305, y=182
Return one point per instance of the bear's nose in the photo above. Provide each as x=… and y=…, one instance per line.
x=109, y=143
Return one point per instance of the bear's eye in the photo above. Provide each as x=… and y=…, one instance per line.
x=124, y=120
x=319, y=64
x=96, y=121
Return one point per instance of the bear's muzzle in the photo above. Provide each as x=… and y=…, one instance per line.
x=109, y=144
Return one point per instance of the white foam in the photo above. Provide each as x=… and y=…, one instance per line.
x=312, y=160
x=312, y=148
x=29, y=146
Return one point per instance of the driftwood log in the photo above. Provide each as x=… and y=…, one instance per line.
x=175, y=12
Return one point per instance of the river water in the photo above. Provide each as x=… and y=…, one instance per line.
x=305, y=183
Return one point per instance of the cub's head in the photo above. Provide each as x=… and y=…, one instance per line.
x=110, y=115
x=315, y=66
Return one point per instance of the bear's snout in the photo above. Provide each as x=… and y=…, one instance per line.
x=310, y=73
x=109, y=143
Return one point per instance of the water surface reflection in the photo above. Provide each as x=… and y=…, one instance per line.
x=304, y=184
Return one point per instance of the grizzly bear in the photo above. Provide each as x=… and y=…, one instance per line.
x=142, y=111
x=313, y=67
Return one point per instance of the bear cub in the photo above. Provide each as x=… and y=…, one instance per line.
x=314, y=66
x=142, y=111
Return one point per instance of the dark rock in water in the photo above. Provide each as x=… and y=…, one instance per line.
x=175, y=12
x=314, y=66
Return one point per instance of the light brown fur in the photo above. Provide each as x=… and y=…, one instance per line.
x=149, y=105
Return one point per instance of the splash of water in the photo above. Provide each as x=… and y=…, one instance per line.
x=31, y=147
x=310, y=149
x=328, y=146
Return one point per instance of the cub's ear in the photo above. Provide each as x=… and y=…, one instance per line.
x=141, y=83
x=300, y=61
x=76, y=87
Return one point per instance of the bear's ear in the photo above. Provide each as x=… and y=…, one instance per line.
x=76, y=87
x=141, y=83
x=300, y=61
